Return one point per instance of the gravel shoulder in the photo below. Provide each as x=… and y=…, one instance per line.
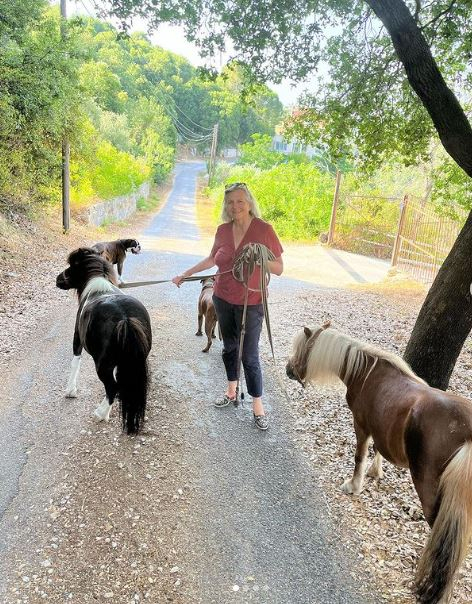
x=384, y=525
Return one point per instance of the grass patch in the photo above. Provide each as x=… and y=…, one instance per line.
x=153, y=202
x=207, y=220
x=396, y=283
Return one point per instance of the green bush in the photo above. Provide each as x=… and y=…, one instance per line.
x=259, y=153
x=295, y=198
x=110, y=174
x=117, y=172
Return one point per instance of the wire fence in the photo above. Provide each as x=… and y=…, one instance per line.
x=425, y=240
x=405, y=230
x=366, y=224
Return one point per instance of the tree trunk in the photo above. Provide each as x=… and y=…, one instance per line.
x=445, y=319
x=426, y=80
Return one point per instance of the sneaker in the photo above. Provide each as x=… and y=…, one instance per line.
x=225, y=401
x=261, y=422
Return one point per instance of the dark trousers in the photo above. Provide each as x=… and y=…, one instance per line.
x=229, y=319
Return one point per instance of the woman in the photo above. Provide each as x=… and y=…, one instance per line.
x=241, y=225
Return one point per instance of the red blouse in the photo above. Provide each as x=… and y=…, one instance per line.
x=224, y=254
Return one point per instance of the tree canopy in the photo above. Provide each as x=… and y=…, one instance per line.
x=363, y=101
x=123, y=102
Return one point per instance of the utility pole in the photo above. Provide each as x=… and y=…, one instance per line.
x=212, y=162
x=65, y=146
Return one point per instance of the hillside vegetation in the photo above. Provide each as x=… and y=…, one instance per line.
x=123, y=103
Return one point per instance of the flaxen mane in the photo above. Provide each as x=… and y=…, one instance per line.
x=414, y=426
x=334, y=353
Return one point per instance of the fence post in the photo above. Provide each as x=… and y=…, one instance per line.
x=332, y=222
x=401, y=223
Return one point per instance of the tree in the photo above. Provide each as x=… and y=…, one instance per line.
x=370, y=46
x=38, y=101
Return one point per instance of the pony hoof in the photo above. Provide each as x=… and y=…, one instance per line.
x=346, y=487
x=372, y=473
x=71, y=393
x=102, y=414
x=98, y=417
x=206, y=349
x=199, y=333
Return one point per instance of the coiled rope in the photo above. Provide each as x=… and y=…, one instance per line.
x=251, y=256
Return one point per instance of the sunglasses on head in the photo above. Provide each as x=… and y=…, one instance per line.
x=235, y=185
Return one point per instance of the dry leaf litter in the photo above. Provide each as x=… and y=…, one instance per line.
x=384, y=526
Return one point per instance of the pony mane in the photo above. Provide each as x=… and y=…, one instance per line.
x=90, y=272
x=98, y=285
x=334, y=352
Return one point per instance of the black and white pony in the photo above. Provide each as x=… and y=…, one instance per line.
x=115, y=330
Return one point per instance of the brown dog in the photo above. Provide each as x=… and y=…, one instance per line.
x=115, y=251
x=207, y=310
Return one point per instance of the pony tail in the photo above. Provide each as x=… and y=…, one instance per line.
x=451, y=531
x=132, y=375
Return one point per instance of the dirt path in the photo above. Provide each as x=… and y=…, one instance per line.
x=201, y=507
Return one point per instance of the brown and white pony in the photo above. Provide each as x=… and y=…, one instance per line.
x=413, y=426
x=115, y=330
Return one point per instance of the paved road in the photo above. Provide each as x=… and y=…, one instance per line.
x=259, y=524
x=257, y=528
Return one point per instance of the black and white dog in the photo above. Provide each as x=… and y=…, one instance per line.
x=115, y=251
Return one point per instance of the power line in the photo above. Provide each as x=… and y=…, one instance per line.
x=193, y=139
x=190, y=132
x=190, y=120
x=84, y=5
x=97, y=9
x=183, y=134
x=171, y=101
x=183, y=130
x=76, y=2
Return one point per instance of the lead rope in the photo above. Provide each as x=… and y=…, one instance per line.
x=251, y=256
x=155, y=282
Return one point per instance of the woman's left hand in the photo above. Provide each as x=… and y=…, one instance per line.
x=178, y=280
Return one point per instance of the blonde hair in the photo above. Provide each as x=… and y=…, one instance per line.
x=253, y=207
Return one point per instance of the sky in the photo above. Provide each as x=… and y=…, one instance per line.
x=172, y=38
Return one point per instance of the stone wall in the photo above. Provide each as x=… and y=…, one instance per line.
x=118, y=208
